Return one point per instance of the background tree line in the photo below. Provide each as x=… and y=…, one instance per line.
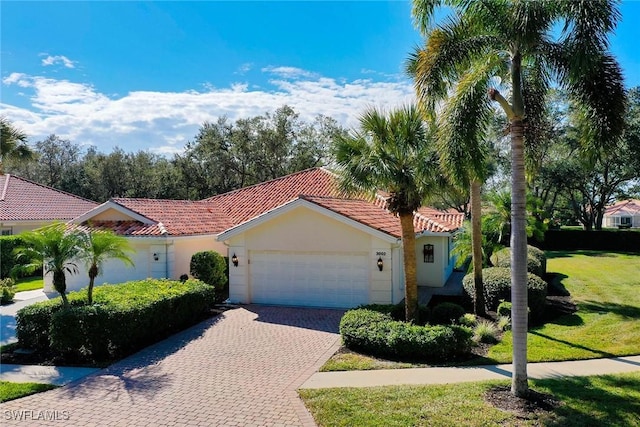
x=223, y=156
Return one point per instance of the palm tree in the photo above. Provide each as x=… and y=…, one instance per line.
x=486, y=42
x=96, y=247
x=13, y=143
x=54, y=248
x=392, y=153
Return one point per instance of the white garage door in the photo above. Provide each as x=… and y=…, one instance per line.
x=315, y=279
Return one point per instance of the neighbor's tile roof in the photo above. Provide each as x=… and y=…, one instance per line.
x=624, y=207
x=222, y=212
x=24, y=200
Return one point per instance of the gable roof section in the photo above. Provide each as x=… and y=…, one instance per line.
x=625, y=207
x=24, y=200
x=245, y=203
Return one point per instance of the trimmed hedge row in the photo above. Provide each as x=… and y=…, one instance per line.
x=536, y=260
x=497, y=288
x=378, y=334
x=123, y=319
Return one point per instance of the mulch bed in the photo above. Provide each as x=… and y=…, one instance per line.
x=532, y=406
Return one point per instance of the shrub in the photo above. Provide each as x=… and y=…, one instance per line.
x=504, y=309
x=504, y=323
x=485, y=331
x=446, y=313
x=536, y=260
x=7, y=290
x=497, y=288
x=211, y=268
x=124, y=318
x=378, y=334
x=468, y=319
x=397, y=311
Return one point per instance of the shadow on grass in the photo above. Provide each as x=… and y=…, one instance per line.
x=623, y=310
x=571, y=344
x=585, y=252
x=594, y=401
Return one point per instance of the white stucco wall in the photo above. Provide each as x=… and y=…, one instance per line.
x=305, y=230
x=434, y=274
x=173, y=259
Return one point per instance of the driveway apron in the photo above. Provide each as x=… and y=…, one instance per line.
x=239, y=369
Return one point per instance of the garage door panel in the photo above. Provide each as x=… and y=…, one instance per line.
x=309, y=279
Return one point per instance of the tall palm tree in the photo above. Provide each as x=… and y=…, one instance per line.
x=485, y=42
x=54, y=248
x=392, y=153
x=96, y=247
x=13, y=143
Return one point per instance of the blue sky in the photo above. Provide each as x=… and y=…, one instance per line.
x=146, y=75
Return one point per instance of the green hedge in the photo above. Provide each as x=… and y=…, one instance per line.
x=123, y=319
x=497, y=287
x=536, y=260
x=604, y=240
x=378, y=334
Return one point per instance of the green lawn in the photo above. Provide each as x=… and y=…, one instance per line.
x=10, y=391
x=608, y=401
x=606, y=288
x=29, y=283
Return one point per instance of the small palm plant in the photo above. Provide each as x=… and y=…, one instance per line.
x=96, y=247
x=53, y=248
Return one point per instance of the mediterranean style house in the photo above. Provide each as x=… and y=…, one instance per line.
x=295, y=240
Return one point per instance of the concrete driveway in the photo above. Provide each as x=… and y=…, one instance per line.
x=240, y=369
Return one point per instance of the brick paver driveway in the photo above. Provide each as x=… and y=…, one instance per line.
x=240, y=369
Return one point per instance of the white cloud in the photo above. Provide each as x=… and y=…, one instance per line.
x=244, y=68
x=164, y=121
x=58, y=59
x=288, y=72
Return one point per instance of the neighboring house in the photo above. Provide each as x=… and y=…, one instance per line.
x=294, y=240
x=624, y=214
x=26, y=205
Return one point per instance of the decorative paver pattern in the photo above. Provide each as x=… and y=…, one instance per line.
x=239, y=369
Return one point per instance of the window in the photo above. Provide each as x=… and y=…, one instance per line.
x=7, y=231
x=428, y=251
x=625, y=220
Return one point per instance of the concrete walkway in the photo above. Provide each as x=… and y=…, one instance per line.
x=8, y=312
x=413, y=376
x=58, y=375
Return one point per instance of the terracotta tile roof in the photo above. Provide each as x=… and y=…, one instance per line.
x=624, y=207
x=24, y=200
x=176, y=217
x=126, y=228
x=362, y=211
x=222, y=212
x=376, y=216
x=243, y=204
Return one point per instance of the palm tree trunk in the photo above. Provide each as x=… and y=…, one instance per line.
x=410, y=276
x=60, y=285
x=476, y=245
x=93, y=272
x=519, y=384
